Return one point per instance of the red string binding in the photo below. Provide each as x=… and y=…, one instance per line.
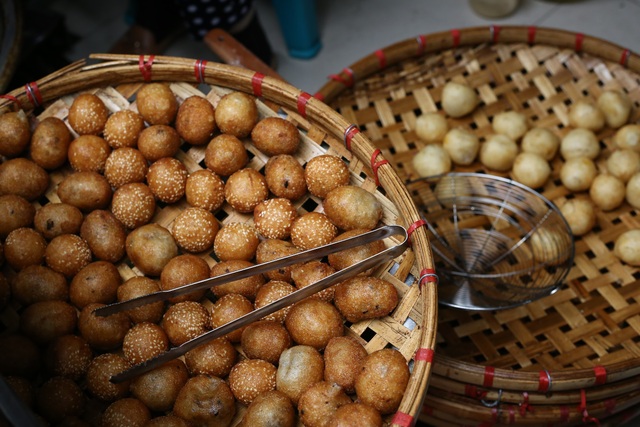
x=489, y=372
x=382, y=59
x=495, y=33
x=512, y=415
x=424, y=355
x=473, y=392
x=428, y=275
x=544, y=383
x=422, y=44
x=402, y=419
x=583, y=409
x=33, y=94
x=414, y=226
x=198, y=70
x=455, y=35
x=525, y=406
x=303, y=98
x=601, y=374
x=348, y=135
x=624, y=58
x=579, y=41
x=339, y=78
x=145, y=66
x=319, y=96
x=531, y=35
x=12, y=98
x=375, y=165
x=256, y=84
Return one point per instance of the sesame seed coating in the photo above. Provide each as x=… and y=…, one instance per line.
x=88, y=114
x=143, y=342
x=195, y=229
x=270, y=292
x=273, y=218
x=324, y=173
x=101, y=369
x=185, y=320
x=133, y=204
x=205, y=189
x=167, y=179
x=125, y=165
x=250, y=377
x=67, y=254
x=311, y=230
x=122, y=128
x=236, y=241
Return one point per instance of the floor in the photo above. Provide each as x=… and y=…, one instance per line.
x=351, y=29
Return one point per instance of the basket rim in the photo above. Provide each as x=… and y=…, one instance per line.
x=433, y=43
x=125, y=69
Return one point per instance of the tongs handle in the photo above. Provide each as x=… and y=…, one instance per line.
x=298, y=295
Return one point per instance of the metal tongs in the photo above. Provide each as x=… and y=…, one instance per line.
x=300, y=294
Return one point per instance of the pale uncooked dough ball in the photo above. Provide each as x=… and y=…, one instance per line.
x=549, y=245
x=607, y=191
x=450, y=189
x=511, y=123
x=541, y=141
x=431, y=127
x=458, y=99
x=461, y=145
x=616, y=107
x=624, y=163
x=432, y=160
x=632, y=193
x=498, y=152
x=531, y=170
x=578, y=173
x=627, y=247
x=586, y=114
x=628, y=136
x=580, y=143
x=580, y=215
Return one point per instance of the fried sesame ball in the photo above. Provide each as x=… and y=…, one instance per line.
x=39, y=283
x=270, y=408
x=195, y=229
x=236, y=241
x=236, y=114
x=54, y=219
x=158, y=141
x=143, y=342
x=205, y=189
x=285, y=177
x=88, y=114
x=343, y=357
x=275, y=135
x=314, y=322
x=299, y=367
x=100, y=371
x=271, y=249
x=225, y=154
x=247, y=287
x=319, y=402
x=44, y=321
x=16, y=212
x=272, y=291
x=355, y=413
x=133, y=205
x=215, y=357
x=88, y=153
x=15, y=133
x=68, y=356
x=266, y=340
x=125, y=165
x=123, y=128
x=205, y=400
x=383, y=380
x=345, y=258
x=273, y=218
x=24, y=247
x=58, y=398
x=350, y=207
x=167, y=179
x=167, y=421
x=138, y=286
x=50, y=143
x=227, y=308
x=126, y=412
x=96, y=282
x=250, y=377
x=85, y=190
x=311, y=230
x=196, y=121
x=157, y=103
x=67, y=254
x=102, y=333
x=150, y=248
x=105, y=235
x=245, y=189
x=324, y=173
x=184, y=321
x=183, y=270
x=24, y=178
x=365, y=297
x=159, y=388
x=311, y=272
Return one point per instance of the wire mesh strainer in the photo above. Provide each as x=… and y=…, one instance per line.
x=497, y=243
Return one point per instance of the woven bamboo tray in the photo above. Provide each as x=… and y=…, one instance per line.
x=586, y=335
x=116, y=79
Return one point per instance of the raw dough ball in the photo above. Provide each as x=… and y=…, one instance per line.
x=578, y=173
x=580, y=215
x=531, y=170
x=623, y=163
x=633, y=191
x=541, y=141
x=580, y=143
x=458, y=99
x=628, y=136
x=510, y=123
x=431, y=127
x=498, y=152
x=461, y=145
x=607, y=192
x=627, y=247
x=432, y=159
x=616, y=107
x=586, y=114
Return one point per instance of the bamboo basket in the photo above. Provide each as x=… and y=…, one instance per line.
x=585, y=337
x=115, y=79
